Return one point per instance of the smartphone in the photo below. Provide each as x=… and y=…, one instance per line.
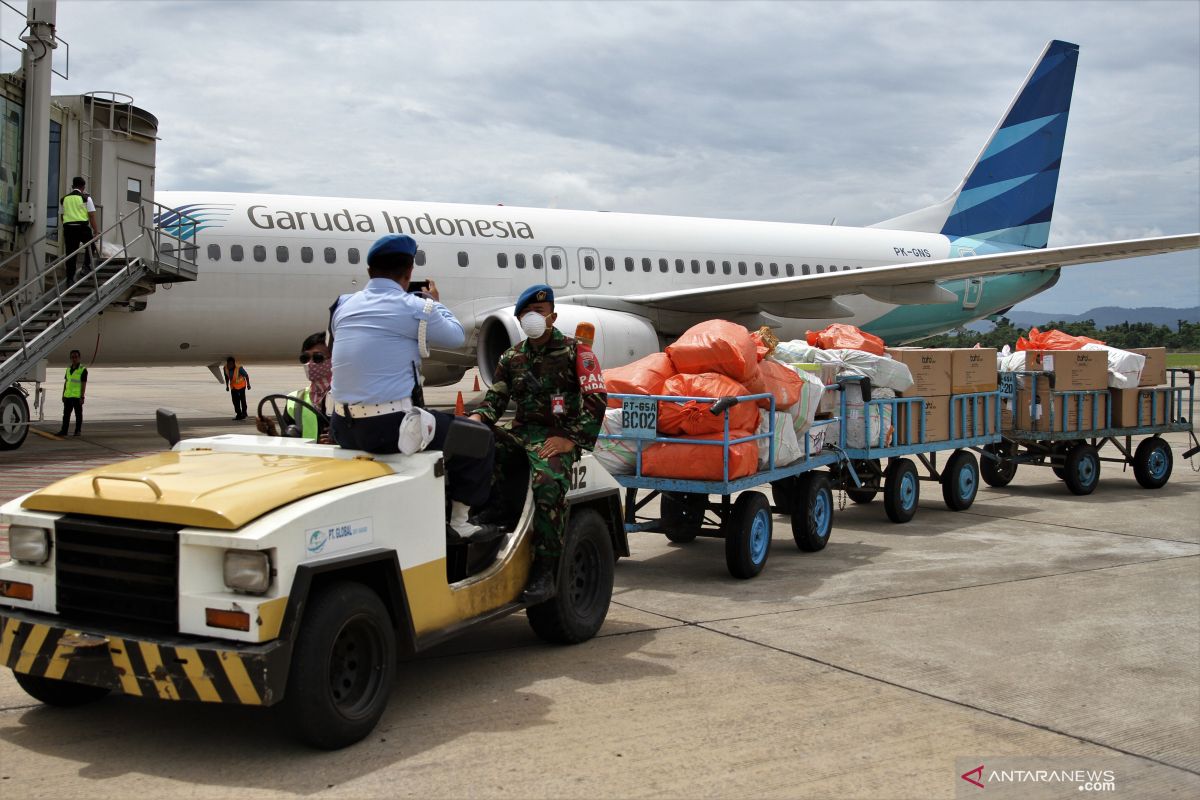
x=415, y=287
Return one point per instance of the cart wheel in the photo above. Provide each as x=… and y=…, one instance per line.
x=997, y=473
x=748, y=535
x=1152, y=463
x=783, y=492
x=813, y=520
x=1082, y=470
x=682, y=514
x=960, y=480
x=862, y=496
x=869, y=472
x=1059, y=453
x=901, y=490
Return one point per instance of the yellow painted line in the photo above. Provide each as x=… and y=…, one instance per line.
x=120, y=660
x=29, y=650
x=8, y=629
x=166, y=689
x=239, y=678
x=194, y=669
x=59, y=662
x=47, y=435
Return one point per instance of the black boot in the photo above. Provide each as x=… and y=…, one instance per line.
x=543, y=581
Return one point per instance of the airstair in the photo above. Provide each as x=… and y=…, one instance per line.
x=41, y=312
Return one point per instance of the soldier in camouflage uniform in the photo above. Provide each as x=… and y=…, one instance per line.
x=558, y=390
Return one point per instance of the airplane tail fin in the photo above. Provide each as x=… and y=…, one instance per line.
x=1007, y=197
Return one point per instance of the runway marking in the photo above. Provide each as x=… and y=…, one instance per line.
x=46, y=434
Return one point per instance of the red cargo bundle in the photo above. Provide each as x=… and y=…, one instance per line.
x=701, y=462
x=715, y=346
x=839, y=336
x=1053, y=340
x=695, y=418
x=644, y=376
x=778, y=379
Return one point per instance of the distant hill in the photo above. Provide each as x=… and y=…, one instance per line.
x=1104, y=316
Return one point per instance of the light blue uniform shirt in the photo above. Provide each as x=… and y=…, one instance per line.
x=375, y=341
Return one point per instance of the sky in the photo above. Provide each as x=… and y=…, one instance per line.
x=782, y=111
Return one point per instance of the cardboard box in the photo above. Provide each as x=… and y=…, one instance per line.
x=1155, y=371
x=937, y=421
x=1035, y=416
x=930, y=369
x=1073, y=369
x=972, y=369
x=1127, y=402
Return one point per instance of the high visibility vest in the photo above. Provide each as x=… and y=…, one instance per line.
x=73, y=387
x=237, y=380
x=309, y=426
x=74, y=208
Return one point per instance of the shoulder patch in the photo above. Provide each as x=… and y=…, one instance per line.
x=587, y=367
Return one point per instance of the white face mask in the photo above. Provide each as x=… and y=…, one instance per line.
x=534, y=325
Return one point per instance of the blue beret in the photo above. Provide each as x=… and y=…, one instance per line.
x=391, y=244
x=541, y=293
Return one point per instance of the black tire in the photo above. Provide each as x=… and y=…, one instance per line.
x=63, y=694
x=14, y=418
x=960, y=480
x=783, y=492
x=585, y=583
x=1082, y=470
x=1152, y=463
x=681, y=514
x=901, y=490
x=748, y=535
x=1058, y=453
x=862, y=496
x=997, y=473
x=813, y=520
x=343, y=667
x=870, y=473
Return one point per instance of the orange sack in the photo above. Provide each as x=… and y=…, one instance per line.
x=1053, y=340
x=845, y=337
x=644, y=376
x=778, y=379
x=715, y=346
x=694, y=417
x=701, y=461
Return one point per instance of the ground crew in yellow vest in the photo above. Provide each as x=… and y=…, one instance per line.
x=297, y=418
x=237, y=381
x=74, y=389
x=79, y=226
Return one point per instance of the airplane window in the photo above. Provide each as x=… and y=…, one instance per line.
x=790, y=270
x=832, y=268
x=419, y=259
x=610, y=263
x=260, y=252
x=306, y=255
x=235, y=252
x=214, y=252
x=711, y=266
x=645, y=265
x=463, y=260
x=281, y=253
x=820, y=269
x=519, y=260
x=695, y=266
x=589, y=263
x=537, y=260
x=502, y=260
x=628, y=263
x=758, y=268
x=330, y=255
x=805, y=269
x=741, y=268
x=352, y=255
x=726, y=267
x=663, y=266
x=679, y=267
x=774, y=268
x=556, y=262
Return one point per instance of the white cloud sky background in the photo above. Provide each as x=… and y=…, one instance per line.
x=782, y=111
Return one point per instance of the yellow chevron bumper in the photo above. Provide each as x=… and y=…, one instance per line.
x=167, y=669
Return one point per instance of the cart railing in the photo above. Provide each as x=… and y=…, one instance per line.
x=1174, y=402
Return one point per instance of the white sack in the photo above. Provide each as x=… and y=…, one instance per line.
x=787, y=448
x=618, y=456
x=1124, y=367
x=883, y=371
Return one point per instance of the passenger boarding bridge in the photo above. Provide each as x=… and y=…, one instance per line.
x=44, y=142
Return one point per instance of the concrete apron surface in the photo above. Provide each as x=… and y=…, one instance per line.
x=1036, y=627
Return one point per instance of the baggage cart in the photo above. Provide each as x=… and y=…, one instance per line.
x=706, y=508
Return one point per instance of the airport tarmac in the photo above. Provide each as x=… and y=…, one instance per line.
x=1037, y=630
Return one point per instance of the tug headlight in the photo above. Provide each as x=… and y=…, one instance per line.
x=247, y=571
x=29, y=544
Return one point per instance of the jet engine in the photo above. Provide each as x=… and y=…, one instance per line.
x=620, y=337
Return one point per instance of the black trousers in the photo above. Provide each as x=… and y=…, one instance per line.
x=75, y=234
x=239, y=401
x=469, y=480
x=72, y=404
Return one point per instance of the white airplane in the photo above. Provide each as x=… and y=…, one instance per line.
x=271, y=265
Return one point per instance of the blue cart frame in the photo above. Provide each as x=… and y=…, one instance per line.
x=1073, y=451
x=974, y=423
x=685, y=508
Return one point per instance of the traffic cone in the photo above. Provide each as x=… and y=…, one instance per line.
x=476, y=389
x=460, y=409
